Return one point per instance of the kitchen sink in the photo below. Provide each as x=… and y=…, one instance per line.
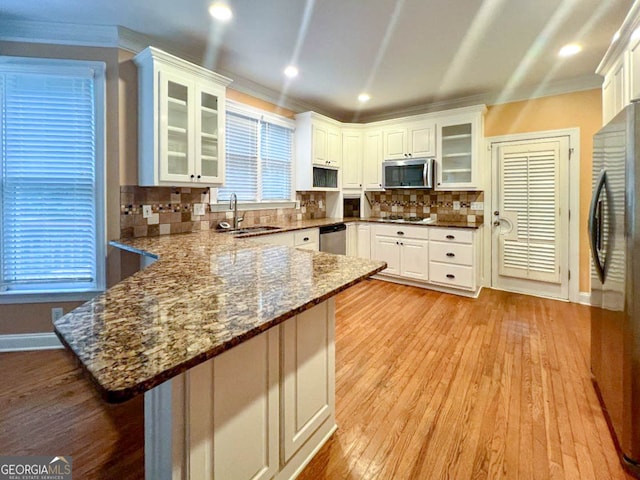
x=256, y=229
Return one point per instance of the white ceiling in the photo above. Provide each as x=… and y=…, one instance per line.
x=405, y=53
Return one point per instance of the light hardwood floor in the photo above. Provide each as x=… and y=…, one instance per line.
x=433, y=386
x=429, y=386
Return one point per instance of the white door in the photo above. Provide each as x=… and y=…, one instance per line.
x=530, y=223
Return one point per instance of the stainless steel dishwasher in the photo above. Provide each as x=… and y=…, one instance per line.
x=333, y=239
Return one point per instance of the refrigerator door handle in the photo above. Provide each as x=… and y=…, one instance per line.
x=596, y=223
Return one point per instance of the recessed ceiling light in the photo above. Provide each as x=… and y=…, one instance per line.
x=291, y=71
x=364, y=97
x=570, y=49
x=220, y=11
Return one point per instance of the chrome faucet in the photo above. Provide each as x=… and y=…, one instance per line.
x=233, y=205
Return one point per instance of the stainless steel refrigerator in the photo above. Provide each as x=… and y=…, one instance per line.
x=614, y=233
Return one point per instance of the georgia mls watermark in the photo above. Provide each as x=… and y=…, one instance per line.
x=35, y=468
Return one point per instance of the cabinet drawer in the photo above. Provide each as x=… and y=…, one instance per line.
x=451, y=235
x=402, y=231
x=310, y=235
x=453, y=275
x=456, y=253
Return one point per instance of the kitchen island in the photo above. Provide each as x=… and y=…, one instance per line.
x=231, y=343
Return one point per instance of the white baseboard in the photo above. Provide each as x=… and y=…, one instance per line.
x=29, y=341
x=584, y=298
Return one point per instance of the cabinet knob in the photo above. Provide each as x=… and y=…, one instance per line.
x=449, y=254
x=451, y=237
x=198, y=177
x=193, y=176
x=305, y=239
x=411, y=154
x=400, y=233
x=450, y=275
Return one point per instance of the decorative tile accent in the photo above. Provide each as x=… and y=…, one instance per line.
x=172, y=211
x=437, y=205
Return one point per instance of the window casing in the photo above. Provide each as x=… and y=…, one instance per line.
x=52, y=232
x=259, y=156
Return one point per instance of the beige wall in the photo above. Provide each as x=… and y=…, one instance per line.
x=36, y=317
x=578, y=109
x=256, y=102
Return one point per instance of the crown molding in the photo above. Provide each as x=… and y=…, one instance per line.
x=58, y=33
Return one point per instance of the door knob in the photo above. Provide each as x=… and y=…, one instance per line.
x=496, y=223
x=496, y=213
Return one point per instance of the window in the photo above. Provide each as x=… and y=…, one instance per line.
x=259, y=156
x=51, y=171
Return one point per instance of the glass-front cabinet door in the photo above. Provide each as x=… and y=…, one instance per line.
x=459, y=151
x=176, y=126
x=209, y=136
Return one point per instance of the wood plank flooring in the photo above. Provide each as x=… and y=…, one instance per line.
x=429, y=386
x=48, y=407
x=434, y=386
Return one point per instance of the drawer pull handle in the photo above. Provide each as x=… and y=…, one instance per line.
x=451, y=237
x=449, y=254
x=305, y=239
x=400, y=233
x=451, y=275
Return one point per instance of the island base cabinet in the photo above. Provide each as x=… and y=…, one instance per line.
x=308, y=376
x=258, y=411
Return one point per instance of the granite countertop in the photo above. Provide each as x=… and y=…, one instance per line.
x=206, y=293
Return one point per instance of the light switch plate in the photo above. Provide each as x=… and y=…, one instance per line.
x=477, y=205
x=56, y=313
x=146, y=211
x=456, y=205
x=198, y=208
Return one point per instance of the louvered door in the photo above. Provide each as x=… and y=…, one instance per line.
x=531, y=217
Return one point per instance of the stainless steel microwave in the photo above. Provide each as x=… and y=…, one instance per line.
x=410, y=173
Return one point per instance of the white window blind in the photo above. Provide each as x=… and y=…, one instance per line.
x=275, y=155
x=49, y=232
x=259, y=160
x=241, y=170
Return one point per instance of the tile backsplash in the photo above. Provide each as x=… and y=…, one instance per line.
x=172, y=211
x=444, y=206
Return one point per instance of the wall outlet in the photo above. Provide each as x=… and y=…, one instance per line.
x=198, y=208
x=56, y=313
x=477, y=205
x=146, y=211
x=297, y=204
x=456, y=205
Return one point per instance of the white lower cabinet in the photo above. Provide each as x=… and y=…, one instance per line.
x=405, y=249
x=258, y=411
x=440, y=258
x=352, y=240
x=307, y=239
x=364, y=240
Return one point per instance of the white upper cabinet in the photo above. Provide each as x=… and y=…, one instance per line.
x=406, y=140
x=372, y=160
x=318, y=152
x=352, y=153
x=459, y=150
x=620, y=67
x=181, y=122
